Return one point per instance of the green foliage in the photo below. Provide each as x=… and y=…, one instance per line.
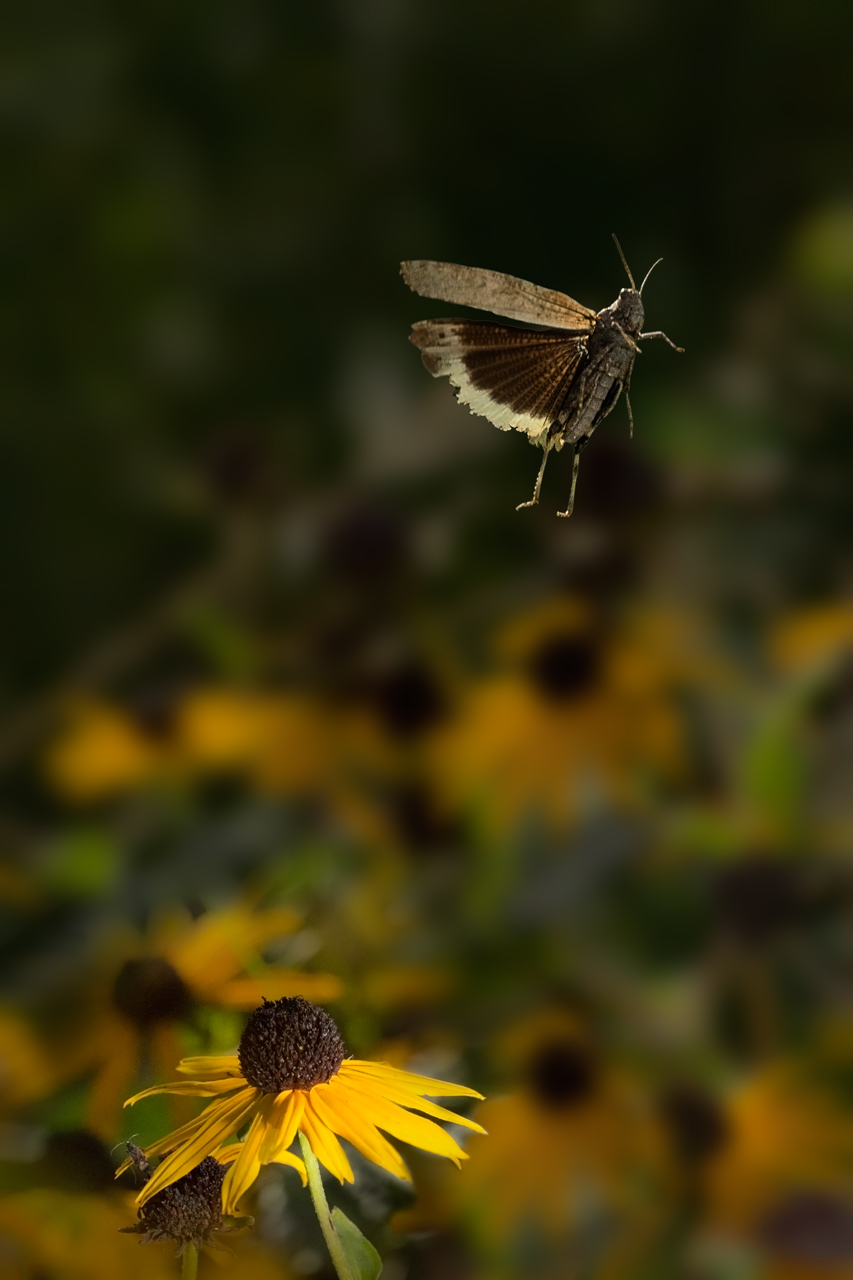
x=362, y=1259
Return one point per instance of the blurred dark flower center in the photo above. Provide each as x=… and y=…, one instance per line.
x=696, y=1122
x=367, y=543
x=188, y=1210
x=75, y=1160
x=237, y=468
x=149, y=990
x=409, y=700
x=561, y=1074
x=290, y=1044
x=418, y=820
x=835, y=698
x=810, y=1226
x=154, y=712
x=564, y=667
x=757, y=898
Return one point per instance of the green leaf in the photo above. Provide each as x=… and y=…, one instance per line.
x=363, y=1260
x=235, y=1222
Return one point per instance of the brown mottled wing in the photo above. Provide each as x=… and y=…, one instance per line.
x=502, y=295
x=517, y=378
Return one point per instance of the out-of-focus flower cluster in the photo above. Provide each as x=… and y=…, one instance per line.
x=589, y=857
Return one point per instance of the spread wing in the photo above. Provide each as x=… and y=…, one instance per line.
x=502, y=295
x=517, y=378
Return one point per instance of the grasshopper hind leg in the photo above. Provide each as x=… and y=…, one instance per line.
x=580, y=445
x=535, y=499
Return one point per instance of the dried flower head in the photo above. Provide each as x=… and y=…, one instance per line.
x=187, y=1211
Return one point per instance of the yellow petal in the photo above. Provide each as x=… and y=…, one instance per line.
x=229, y=1153
x=410, y=1128
x=325, y=1145
x=211, y=1068
x=363, y=1135
x=284, y=1157
x=245, y=1170
x=403, y=1099
x=419, y=1085
x=192, y=1088
x=221, y=1119
x=281, y=1129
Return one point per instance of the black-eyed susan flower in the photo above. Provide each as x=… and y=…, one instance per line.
x=572, y=1140
x=744, y=1159
x=810, y=640
x=27, y=1072
x=574, y=711
x=105, y=750
x=290, y=1076
x=781, y=1135
x=74, y=1235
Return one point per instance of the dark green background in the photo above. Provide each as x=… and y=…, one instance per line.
x=203, y=209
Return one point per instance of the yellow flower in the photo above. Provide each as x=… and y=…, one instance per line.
x=104, y=750
x=751, y=1162
x=290, y=1075
x=782, y=1136
x=100, y=752
x=74, y=1236
x=26, y=1068
x=572, y=713
x=814, y=638
x=575, y=1136
x=357, y=753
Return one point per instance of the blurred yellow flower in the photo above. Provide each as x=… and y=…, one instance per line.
x=27, y=1071
x=67, y=1236
x=813, y=637
x=746, y=1160
x=358, y=754
x=359, y=750
x=575, y=712
x=290, y=1076
x=576, y=1137
x=781, y=1135
x=104, y=750
x=100, y=752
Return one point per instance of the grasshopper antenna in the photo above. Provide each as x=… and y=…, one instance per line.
x=648, y=273
x=624, y=263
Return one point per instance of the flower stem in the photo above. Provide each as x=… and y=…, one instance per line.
x=189, y=1265
x=321, y=1206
